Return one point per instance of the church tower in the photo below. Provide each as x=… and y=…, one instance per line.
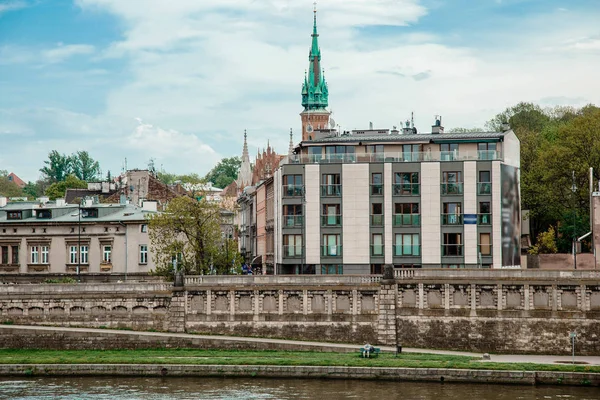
x=315, y=95
x=245, y=175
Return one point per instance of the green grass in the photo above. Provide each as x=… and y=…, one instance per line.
x=240, y=357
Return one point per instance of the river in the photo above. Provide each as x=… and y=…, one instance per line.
x=230, y=388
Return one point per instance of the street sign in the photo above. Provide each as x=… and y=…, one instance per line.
x=470, y=219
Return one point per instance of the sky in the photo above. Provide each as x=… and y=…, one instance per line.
x=179, y=81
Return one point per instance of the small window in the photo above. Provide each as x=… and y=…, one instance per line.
x=143, y=254
x=45, y=253
x=72, y=254
x=144, y=228
x=106, y=254
x=89, y=213
x=84, y=254
x=15, y=254
x=485, y=244
x=35, y=255
x=332, y=269
x=44, y=214
x=14, y=215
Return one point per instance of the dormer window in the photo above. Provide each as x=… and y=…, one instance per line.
x=14, y=215
x=44, y=214
x=89, y=213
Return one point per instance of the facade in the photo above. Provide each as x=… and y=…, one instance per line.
x=62, y=238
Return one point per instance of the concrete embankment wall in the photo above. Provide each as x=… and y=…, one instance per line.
x=271, y=371
x=472, y=310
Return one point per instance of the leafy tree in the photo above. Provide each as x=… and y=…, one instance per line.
x=34, y=190
x=85, y=168
x=465, y=130
x=8, y=188
x=546, y=243
x=58, y=167
x=189, y=230
x=224, y=172
x=58, y=189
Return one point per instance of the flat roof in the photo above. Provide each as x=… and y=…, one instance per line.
x=409, y=137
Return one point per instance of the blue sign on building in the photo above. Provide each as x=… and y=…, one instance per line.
x=470, y=219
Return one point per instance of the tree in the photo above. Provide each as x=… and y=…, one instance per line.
x=465, y=130
x=58, y=189
x=7, y=187
x=224, y=172
x=34, y=190
x=189, y=230
x=85, y=167
x=58, y=167
x=546, y=243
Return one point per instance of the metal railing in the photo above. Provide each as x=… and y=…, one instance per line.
x=412, y=250
x=331, y=251
x=452, y=250
x=484, y=219
x=377, y=189
x=292, y=251
x=331, y=220
x=452, y=188
x=422, y=156
x=407, y=219
x=377, y=250
x=376, y=220
x=293, y=190
x=452, y=219
x=484, y=188
x=290, y=221
x=406, y=189
x=331, y=190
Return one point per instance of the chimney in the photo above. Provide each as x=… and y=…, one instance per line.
x=395, y=130
x=122, y=200
x=88, y=202
x=370, y=126
x=505, y=127
x=437, y=128
x=149, y=206
x=60, y=202
x=3, y=201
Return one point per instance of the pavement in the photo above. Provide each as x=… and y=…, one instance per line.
x=502, y=358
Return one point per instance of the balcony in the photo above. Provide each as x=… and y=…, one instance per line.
x=452, y=250
x=331, y=220
x=484, y=219
x=452, y=219
x=401, y=250
x=376, y=220
x=406, y=189
x=331, y=251
x=293, y=190
x=331, y=190
x=484, y=188
x=487, y=155
x=451, y=188
x=292, y=251
x=423, y=156
x=377, y=250
x=407, y=220
x=291, y=221
x=377, y=189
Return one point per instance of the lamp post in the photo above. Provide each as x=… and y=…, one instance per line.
x=574, y=190
x=573, y=335
x=228, y=233
x=79, y=242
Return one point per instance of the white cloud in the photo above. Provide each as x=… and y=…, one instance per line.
x=11, y=54
x=12, y=6
x=63, y=51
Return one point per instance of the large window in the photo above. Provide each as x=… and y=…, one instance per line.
x=484, y=217
x=44, y=254
x=331, y=246
x=84, y=254
x=4, y=255
x=377, y=184
x=339, y=153
x=292, y=215
x=486, y=151
x=485, y=244
x=449, y=151
x=377, y=214
x=406, y=214
x=292, y=185
x=14, y=215
x=15, y=254
x=292, y=245
x=411, y=152
x=143, y=254
x=452, y=183
x=452, y=244
x=331, y=185
x=35, y=255
x=452, y=214
x=107, y=254
x=484, y=185
x=407, y=245
x=72, y=254
x=406, y=184
x=315, y=153
x=332, y=269
x=376, y=152
x=331, y=215
x=377, y=245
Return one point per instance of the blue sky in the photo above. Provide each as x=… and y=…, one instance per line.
x=179, y=81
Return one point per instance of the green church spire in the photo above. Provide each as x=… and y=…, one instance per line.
x=315, y=95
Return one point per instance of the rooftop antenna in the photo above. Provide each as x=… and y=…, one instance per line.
x=412, y=119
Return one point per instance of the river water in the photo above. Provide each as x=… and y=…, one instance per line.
x=238, y=389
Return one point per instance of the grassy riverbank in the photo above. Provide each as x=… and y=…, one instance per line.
x=233, y=357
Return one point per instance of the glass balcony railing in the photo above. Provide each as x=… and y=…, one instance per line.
x=407, y=220
x=452, y=219
x=406, y=189
x=290, y=221
x=487, y=155
x=292, y=251
x=485, y=250
x=452, y=250
x=484, y=188
x=423, y=156
x=331, y=190
x=331, y=251
x=376, y=220
x=407, y=250
x=484, y=219
x=451, y=188
x=376, y=189
x=293, y=190
x=377, y=250
x=331, y=220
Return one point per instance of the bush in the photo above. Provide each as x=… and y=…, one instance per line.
x=545, y=243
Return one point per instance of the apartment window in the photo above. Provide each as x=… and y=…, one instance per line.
x=89, y=213
x=484, y=185
x=332, y=269
x=43, y=214
x=13, y=215
x=377, y=214
x=315, y=153
x=15, y=254
x=406, y=214
x=84, y=254
x=292, y=185
x=331, y=215
x=485, y=216
x=486, y=151
x=411, y=152
x=452, y=183
x=35, y=255
x=449, y=151
x=377, y=245
x=452, y=214
x=143, y=254
x=292, y=245
x=485, y=244
x=376, y=269
x=292, y=215
x=377, y=184
x=144, y=228
x=339, y=153
x=331, y=185
x=331, y=246
x=4, y=250
x=106, y=253
x=44, y=253
x=406, y=184
x=375, y=151
x=72, y=254
x=452, y=244
x=407, y=244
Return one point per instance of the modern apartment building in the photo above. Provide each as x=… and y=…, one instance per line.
x=351, y=203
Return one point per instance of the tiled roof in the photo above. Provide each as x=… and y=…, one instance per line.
x=121, y=213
